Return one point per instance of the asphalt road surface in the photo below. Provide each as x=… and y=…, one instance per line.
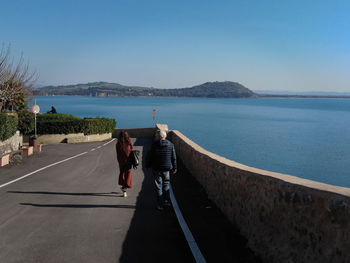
x=74, y=211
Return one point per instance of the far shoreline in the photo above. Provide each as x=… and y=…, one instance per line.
x=258, y=97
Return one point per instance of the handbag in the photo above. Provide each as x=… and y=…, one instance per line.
x=133, y=158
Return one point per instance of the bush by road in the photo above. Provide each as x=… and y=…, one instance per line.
x=8, y=126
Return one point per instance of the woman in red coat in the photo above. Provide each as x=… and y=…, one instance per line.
x=124, y=147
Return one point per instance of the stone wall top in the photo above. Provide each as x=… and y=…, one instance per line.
x=135, y=132
x=72, y=138
x=284, y=218
x=283, y=177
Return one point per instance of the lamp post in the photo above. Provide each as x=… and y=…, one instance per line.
x=35, y=110
x=154, y=115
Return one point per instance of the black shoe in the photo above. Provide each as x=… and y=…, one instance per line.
x=160, y=208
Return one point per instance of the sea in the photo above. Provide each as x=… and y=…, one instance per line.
x=308, y=138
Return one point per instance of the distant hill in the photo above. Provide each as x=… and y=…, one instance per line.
x=99, y=89
x=226, y=89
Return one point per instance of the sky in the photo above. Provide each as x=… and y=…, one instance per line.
x=292, y=45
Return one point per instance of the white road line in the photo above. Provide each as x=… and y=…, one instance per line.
x=108, y=142
x=43, y=168
x=50, y=165
x=98, y=147
x=197, y=254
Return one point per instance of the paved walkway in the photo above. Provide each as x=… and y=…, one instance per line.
x=74, y=212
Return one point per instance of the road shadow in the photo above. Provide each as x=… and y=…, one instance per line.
x=153, y=236
x=79, y=205
x=218, y=239
x=111, y=194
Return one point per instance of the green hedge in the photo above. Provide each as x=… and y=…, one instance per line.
x=56, y=117
x=26, y=122
x=99, y=125
x=66, y=126
x=53, y=124
x=8, y=126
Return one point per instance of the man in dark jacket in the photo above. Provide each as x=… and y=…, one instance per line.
x=162, y=159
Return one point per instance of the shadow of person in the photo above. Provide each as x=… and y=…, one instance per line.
x=111, y=194
x=153, y=236
x=79, y=205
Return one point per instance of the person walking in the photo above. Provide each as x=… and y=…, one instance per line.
x=162, y=159
x=124, y=147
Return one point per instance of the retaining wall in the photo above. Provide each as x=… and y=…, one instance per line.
x=284, y=218
x=72, y=138
x=135, y=133
x=13, y=143
x=80, y=137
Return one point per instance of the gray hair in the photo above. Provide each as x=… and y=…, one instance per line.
x=161, y=133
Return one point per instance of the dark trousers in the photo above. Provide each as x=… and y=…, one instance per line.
x=162, y=184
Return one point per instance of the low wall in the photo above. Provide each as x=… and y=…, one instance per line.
x=135, y=133
x=72, y=138
x=284, y=218
x=13, y=143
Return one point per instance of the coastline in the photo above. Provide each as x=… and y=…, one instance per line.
x=278, y=134
x=259, y=97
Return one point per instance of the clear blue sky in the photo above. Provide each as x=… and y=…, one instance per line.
x=264, y=44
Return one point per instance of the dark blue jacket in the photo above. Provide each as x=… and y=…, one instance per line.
x=163, y=156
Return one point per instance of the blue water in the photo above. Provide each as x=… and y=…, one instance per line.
x=309, y=138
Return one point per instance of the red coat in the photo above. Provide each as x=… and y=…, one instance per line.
x=125, y=176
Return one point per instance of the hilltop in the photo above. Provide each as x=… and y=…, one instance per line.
x=225, y=89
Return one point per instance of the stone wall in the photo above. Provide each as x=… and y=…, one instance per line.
x=284, y=218
x=135, y=133
x=141, y=132
x=72, y=138
x=11, y=144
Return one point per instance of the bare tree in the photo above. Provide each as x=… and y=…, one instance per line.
x=16, y=80
x=4, y=56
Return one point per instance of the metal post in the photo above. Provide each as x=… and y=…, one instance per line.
x=35, y=120
x=154, y=115
x=35, y=125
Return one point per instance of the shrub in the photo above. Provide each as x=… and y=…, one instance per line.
x=99, y=125
x=26, y=122
x=60, y=127
x=67, y=124
x=8, y=126
x=56, y=117
x=52, y=122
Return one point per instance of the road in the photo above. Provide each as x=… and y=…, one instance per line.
x=74, y=211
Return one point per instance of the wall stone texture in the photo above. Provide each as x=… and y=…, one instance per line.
x=13, y=143
x=135, y=133
x=285, y=218
x=72, y=138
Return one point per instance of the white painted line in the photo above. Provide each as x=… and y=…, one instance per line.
x=99, y=147
x=108, y=142
x=50, y=165
x=43, y=168
x=197, y=254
